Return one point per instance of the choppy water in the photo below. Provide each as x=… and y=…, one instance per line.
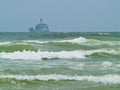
x=60, y=61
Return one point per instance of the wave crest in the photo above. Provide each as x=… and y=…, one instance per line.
x=26, y=55
x=78, y=40
x=106, y=79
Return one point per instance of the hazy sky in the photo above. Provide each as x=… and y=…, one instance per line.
x=60, y=15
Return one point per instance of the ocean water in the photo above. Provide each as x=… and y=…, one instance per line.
x=60, y=61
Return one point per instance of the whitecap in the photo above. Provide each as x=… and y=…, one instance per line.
x=5, y=43
x=34, y=41
x=106, y=64
x=78, y=40
x=106, y=79
x=26, y=55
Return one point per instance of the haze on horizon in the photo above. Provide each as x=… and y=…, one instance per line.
x=60, y=15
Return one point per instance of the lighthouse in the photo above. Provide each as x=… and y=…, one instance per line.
x=41, y=27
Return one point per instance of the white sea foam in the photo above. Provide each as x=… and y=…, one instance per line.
x=5, y=43
x=75, y=40
x=26, y=55
x=79, y=40
x=34, y=41
x=12, y=43
x=100, y=42
x=106, y=64
x=103, y=33
x=87, y=41
x=76, y=66
x=106, y=79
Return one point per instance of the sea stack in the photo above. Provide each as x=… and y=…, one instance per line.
x=40, y=28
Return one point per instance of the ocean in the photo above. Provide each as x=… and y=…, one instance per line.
x=60, y=61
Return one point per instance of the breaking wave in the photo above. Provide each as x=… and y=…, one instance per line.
x=5, y=43
x=106, y=79
x=75, y=40
x=49, y=55
x=79, y=40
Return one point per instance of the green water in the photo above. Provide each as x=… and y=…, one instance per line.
x=59, y=61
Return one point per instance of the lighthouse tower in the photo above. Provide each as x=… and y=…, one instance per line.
x=40, y=28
